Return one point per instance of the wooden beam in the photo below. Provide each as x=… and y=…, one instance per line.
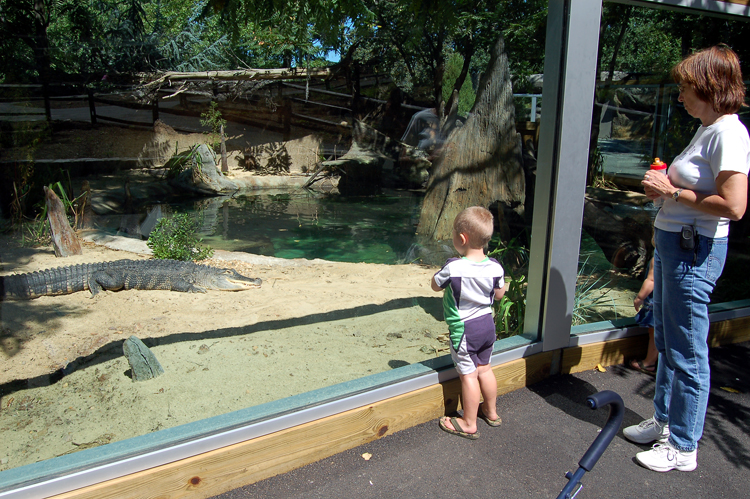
x=727, y=332
x=608, y=353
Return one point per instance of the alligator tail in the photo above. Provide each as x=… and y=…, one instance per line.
x=49, y=282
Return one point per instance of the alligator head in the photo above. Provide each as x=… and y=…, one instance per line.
x=227, y=280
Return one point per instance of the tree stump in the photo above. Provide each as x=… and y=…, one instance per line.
x=64, y=240
x=481, y=162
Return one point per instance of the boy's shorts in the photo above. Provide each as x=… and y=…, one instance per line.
x=476, y=350
x=645, y=316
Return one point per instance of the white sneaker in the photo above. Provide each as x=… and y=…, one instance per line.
x=647, y=431
x=664, y=457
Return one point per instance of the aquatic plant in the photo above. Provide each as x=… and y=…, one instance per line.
x=175, y=238
x=509, y=312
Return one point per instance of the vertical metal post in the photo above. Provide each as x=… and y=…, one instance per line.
x=569, y=80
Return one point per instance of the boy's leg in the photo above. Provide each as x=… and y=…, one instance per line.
x=488, y=387
x=470, y=395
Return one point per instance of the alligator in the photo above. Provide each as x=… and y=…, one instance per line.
x=173, y=275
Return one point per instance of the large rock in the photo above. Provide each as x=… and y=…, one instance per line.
x=143, y=362
x=203, y=176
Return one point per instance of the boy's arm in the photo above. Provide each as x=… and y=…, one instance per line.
x=434, y=284
x=500, y=292
x=646, y=288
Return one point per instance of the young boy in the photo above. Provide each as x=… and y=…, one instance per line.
x=471, y=283
x=644, y=306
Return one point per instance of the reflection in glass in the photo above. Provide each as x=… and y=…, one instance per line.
x=636, y=119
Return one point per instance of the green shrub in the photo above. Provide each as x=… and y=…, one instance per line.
x=509, y=312
x=175, y=239
x=212, y=118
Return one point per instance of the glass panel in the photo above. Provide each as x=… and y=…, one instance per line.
x=313, y=178
x=636, y=119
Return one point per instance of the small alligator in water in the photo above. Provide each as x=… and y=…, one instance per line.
x=187, y=277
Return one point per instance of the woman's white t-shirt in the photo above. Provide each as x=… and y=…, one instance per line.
x=723, y=146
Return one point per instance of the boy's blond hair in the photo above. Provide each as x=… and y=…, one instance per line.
x=476, y=223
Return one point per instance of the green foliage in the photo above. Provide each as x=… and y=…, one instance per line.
x=175, y=239
x=181, y=161
x=466, y=95
x=509, y=312
x=212, y=118
x=591, y=293
x=513, y=255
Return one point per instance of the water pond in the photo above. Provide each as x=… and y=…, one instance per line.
x=300, y=224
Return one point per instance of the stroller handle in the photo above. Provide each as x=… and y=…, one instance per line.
x=610, y=429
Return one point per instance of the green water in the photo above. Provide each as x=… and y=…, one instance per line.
x=375, y=229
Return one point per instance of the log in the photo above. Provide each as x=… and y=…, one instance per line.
x=204, y=176
x=224, y=166
x=64, y=240
x=239, y=74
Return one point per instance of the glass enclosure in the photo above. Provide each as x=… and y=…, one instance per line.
x=332, y=174
x=637, y=118
x=328, y=182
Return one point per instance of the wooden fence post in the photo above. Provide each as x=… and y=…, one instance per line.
x=286, y=119
x=155, y=109
x=47, y=107
x=92, y=106
x=224, y=167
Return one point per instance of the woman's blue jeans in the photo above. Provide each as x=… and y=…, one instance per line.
x=683, y=282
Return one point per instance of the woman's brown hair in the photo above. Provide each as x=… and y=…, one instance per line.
x=716, y=77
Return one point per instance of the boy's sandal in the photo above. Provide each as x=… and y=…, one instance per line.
x=640, y=366
x=491, y=422
x=458, y=430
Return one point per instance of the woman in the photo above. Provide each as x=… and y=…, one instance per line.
x=705, y=188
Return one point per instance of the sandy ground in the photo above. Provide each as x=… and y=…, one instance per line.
x=310, y=325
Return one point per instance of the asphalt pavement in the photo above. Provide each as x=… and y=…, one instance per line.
x=546, y=430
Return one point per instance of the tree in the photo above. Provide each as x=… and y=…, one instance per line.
x=481, y=162
x=27, y=21
x=296, y=31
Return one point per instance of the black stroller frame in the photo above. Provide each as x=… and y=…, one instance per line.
x=600, y=444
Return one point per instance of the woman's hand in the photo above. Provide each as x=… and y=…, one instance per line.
x=730, y=201
x=656, y=184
